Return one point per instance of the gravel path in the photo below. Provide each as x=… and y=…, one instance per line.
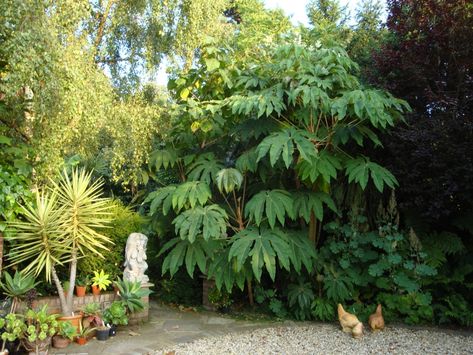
x=328, y=339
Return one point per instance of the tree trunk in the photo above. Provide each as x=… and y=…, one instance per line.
x=250, y=293
x=313, y=229
x=66, y=311
x=72, y=281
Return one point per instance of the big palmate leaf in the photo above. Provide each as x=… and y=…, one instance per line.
x=301, y=250
x=161, y=200
x=360, y=169
x=192, y=254
x=226, y=272
x=308, y=202
x=40, y=238
x=163, y=158
x=229, y=179
x=323, y=165
x=204, y=168
x=191, y=194
x=209, y=221
x=263, y=247
x=282, y=145
x=273, y=204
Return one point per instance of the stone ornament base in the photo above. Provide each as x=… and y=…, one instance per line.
x=141, y=317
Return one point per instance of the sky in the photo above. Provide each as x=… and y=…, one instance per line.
x=296, y=9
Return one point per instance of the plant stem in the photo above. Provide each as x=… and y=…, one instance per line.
x=60, y=291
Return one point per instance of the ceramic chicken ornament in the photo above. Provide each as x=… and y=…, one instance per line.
x=349, y=322
x=376, y=320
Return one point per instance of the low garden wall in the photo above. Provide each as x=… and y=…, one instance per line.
x=104, y=299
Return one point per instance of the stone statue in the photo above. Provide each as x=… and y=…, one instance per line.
x=135, y=258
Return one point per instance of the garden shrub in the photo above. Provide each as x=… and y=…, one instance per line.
x=124, y=222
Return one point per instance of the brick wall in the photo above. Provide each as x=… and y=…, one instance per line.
x=104, y=299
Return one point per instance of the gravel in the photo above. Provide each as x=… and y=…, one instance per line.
x=328, y=339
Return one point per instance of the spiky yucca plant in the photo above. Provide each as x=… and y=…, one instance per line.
x=60, y=228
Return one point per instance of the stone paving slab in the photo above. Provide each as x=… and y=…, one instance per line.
x=167, y=327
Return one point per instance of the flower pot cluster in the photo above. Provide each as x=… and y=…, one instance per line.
x=97, y=283
x=67, y=217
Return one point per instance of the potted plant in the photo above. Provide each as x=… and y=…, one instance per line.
x=91, y=315
x=61, y=227
x=131, y=295
x=81, y=286
x=66, y=334
x=220, y=299
x=115, y=315
x=12, y=328
x=34, y=329
x=17, y=287
x=83, y=335
x=100, y=282
x=102, y=332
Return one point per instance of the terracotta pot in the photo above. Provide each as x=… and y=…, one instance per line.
x=81, y=290
x=81, y=340
x=95, y=290
x=75, y=320
x=60, y=342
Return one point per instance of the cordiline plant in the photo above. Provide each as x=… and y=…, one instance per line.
x=63, y=226
x=256, y=148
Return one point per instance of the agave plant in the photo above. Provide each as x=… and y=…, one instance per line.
x=60, y=228
x=17, y=286
x=131, y=294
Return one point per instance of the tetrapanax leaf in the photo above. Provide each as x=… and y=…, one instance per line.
x=273, y=204
x=229, y=179
x=209, y=221
x=307, y=202
x=263, y=247
x=191, y=193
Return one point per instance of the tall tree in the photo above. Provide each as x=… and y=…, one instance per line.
x=428, y=61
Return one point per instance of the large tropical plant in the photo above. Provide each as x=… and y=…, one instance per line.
x=257, y=147
x=60, y=228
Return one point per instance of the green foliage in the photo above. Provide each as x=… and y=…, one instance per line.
x=14, y=180
x=306, y=203
x=18, y=285
x=197, y=253
x=116, y=314
x=361, y=265
x=300, y=297
x=220, y=298
x=67, y=330
x=323, y=309
x=263, y=246
x=263, y=141
x=208, y=222
x=63, y=227
x=273, y=204
x=413, y=308
x=455, y=308
x=101, y=280
x=131, y=295
x=228, y=180
x=269, y=298
x=282, y=145
x=124, y=221
x=360, y=169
